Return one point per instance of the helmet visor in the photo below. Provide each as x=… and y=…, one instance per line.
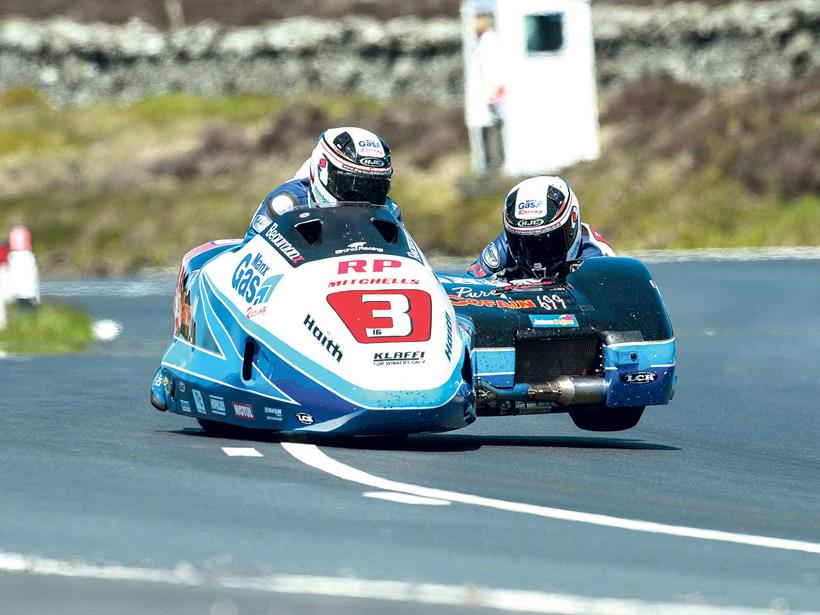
x=546, y=250
x=351, y=187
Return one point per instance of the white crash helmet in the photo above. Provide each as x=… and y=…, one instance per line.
x=542, y=223
x=350, y=164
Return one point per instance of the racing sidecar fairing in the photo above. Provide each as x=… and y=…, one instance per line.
x=329, y=320
x=595, y=342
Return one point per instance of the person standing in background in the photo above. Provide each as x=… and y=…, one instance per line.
x=486, y=98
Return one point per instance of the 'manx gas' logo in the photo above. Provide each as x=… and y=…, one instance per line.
x=247, y=280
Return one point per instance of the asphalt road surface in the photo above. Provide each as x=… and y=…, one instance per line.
x=107, y=506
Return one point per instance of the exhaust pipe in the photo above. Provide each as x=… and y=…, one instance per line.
x=564, y=391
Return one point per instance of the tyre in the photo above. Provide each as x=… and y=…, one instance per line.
x=221, y=430
x=601, y=418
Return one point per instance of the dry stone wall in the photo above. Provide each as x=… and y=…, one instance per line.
x=707, y=47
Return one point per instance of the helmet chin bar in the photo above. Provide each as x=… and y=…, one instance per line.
x=538, y=270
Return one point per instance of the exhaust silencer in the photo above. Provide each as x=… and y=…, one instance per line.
x=564, y=390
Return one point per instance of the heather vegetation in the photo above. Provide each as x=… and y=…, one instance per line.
x=48, y=329
x=114, y=189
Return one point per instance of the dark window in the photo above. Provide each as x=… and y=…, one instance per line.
x=545, y=33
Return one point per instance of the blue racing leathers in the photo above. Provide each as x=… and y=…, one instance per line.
x=496, y=256
x=291, y=195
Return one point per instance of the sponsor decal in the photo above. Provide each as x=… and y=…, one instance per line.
x=372, y=162
x=358, y=246
x=273, y=414
x=186, y=407
x=554, y=320
x=412, y=357
x=200, y=403
x=158, y=381
x=469, y=292
x=304, y=417
x=166, y=384
x=256, y=312
x=529, y=285
x=371, y=282
x=247, y=280
x=530, y=223
x=305, y=214
x=490, y=256
x=243, y=411
x=512, y=304
x=370, y=143
x=384, y=315
x=360, y=266
x=413, y=250
x=530, y=209
x=217, y=405
x=477, y=270
x=327, y=343
x=282, y=245
x=639, y=377
x=448, y=345
x=551, y=302
x=260, y=223
x=181, y=386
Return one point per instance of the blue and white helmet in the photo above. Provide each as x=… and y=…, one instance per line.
x=350, y=164
x=542, y=223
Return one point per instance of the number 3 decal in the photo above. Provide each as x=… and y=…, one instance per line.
x=384, y=316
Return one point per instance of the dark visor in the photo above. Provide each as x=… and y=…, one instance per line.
x=349, y=187
x=548, y=249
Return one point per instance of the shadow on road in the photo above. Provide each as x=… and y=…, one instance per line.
x=435, y=443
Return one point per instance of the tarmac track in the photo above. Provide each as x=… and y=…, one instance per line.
x=93, y=478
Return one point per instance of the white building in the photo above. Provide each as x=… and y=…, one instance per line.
x=548, y=104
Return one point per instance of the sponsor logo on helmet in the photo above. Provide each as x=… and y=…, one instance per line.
x=369, y=147
x=535, y=222
x=372, y=162
x=530, y=208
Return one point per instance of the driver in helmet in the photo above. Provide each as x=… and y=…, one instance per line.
x=542, y=231
x=347, y=164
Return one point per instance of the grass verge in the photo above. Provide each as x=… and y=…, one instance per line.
x=49, y=329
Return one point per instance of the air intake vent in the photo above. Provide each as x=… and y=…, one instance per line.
x=388, y=230
x=541, y=360
x=311, y=230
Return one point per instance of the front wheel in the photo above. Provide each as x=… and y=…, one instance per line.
x=601, y=418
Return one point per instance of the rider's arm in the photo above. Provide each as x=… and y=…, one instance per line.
x=593, y=243
x=493, y=258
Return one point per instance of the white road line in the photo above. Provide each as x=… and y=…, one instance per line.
x=404, y=498
x=468, y=596
x=235, y=451
x=107, y=330
x=312, y=456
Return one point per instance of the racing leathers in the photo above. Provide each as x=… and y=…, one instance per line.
x=496, y=257
x=293, y=194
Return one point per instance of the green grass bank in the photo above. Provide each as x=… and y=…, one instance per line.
x=51, y=328
x=113, y=189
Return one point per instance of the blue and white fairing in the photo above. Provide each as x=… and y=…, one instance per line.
x=330, y=320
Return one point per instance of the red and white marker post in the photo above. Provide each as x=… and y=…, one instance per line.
x=24, y=278
x=5, y=283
